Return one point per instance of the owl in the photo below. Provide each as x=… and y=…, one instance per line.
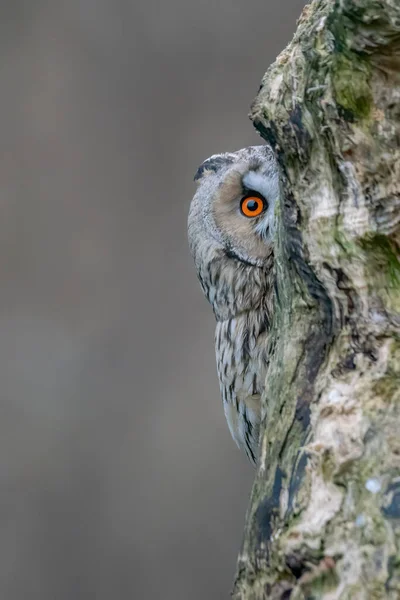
x=231, y=230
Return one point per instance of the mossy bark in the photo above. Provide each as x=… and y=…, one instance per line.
x=324, y=514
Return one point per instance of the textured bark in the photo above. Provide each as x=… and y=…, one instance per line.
x=324, y=514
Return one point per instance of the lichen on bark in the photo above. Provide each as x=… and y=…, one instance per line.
x=324, y=515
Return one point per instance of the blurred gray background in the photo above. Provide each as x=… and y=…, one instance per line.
x=118, y=475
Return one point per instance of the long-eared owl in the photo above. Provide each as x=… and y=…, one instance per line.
x=231, y=236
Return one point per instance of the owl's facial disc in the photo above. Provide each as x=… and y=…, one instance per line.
x=243, y=211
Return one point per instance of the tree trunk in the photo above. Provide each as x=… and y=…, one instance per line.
x=324, y=514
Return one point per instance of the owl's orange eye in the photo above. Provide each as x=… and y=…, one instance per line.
x=252, y=206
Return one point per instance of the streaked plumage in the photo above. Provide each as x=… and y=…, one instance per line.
x=233, y=255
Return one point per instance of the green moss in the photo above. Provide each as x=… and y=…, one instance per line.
x=328, y=465
x=350, y=78
x=349, y=247
x=386, y=387
x=384, y=258
x=324, y=583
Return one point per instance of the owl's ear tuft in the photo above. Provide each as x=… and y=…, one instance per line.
x=202, y=172
x=212, y=165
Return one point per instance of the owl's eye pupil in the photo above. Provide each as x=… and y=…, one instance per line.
x=252, y=205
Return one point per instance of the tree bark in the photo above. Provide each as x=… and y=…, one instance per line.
x=324, y=515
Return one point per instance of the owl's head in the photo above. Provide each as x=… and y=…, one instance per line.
x=231, y=218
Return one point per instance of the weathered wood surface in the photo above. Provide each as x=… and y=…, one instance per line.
x=324, y=514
